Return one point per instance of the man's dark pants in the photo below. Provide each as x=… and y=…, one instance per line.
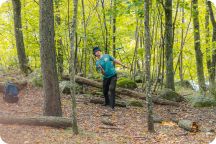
x=109, y=85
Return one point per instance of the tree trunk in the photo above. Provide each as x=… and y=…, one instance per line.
x=59, y=43
x=72, y=67
x=213, y=61
x=58, y=122
x=134, y=60
x=198, y=52
x=85, y=39
x=182, y=45
x=114, y=28
x=148, y=67
x=207, y=41
x=105, y=27
x=23, y=63
x=169, y=45
x=52, y=103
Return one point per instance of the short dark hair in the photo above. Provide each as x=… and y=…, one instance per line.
x=95, y=49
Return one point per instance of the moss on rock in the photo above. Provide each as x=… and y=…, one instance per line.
x=170, y=95
x=136, y=103
x=35, y=78
x=202, y=101
x=126, y=83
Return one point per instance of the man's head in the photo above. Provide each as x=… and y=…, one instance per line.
x=96, y=51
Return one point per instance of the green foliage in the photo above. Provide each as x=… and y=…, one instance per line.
x=126, y=83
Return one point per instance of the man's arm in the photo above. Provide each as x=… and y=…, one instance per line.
x=118, y=62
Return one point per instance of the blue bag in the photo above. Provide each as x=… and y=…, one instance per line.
x=11, y=93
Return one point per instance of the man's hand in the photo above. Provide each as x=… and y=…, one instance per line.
x=102, y=70
x=124, y=66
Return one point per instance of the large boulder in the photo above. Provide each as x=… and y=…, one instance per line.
x=139, y=79
x=171, y=95
x=126, y=83
x=185, y=84
x=65, y=87
x=202, y=101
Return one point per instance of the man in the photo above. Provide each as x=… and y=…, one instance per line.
x=105, y=65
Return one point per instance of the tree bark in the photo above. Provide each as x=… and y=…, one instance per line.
x=85, y=39
x=198, y=52
x=114, y=28
x=182, y=45
x=72, y=67
x=23, y=63
x=58, y=122
x=105, y=27
x=59, y=43
x=169, y=45
x=52, y=103
x=213, y=61
x=148, y=67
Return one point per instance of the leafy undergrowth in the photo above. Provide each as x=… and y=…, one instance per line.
x=130, y=124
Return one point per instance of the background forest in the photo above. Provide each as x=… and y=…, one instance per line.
x=169, y=48
x=99, y=22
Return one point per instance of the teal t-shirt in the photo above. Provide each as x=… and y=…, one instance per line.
x=106, y=62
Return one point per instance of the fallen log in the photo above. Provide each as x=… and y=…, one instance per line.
x=51, y=121
x=101, y=101
x=187, y=125
x=122, y=91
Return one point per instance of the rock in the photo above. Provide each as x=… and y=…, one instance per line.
x=126, y=83
x=35, y=78
x=65, y=86
x=203, y=101
x=171, y=95
x=139, y=79
x=185, y=84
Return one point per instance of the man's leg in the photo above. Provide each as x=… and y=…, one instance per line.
x=112, y=91
x=106, y=83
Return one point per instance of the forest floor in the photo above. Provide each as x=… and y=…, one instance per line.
x=130, y=123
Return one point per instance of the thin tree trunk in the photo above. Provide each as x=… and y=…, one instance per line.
x=169, y=45
x=182, y=45
x=23, y=63
x=198, y=52
x=105, y=27
x=114, y=29
x=213, y=63
x=207, y=40
x=52, y=103
x=147, y=67
x=85, y=39
x=72, y=67
x=59, y=43
x=133, y=65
